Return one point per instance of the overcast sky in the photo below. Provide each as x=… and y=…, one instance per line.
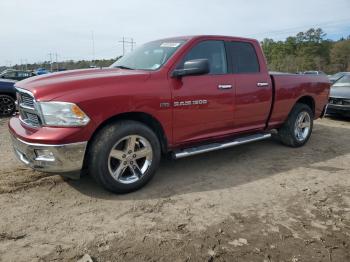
x=31, y=29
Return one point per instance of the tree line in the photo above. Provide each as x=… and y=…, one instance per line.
x=308, y=50
x=66, y=65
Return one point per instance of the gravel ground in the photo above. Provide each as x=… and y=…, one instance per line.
x=257, y=202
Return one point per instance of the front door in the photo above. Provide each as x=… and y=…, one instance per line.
x=203, y=105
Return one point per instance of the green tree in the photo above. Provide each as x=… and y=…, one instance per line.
x=305, y=51
x=340, y=55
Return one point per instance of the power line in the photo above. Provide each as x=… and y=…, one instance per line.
x=292, y=29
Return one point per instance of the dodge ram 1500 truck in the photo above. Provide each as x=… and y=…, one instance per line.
x=178, y=96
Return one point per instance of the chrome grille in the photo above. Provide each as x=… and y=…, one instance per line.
x=27, y=100
x=27, y=108
x=33, y=119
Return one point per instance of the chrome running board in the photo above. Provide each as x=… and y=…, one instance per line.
x=216, y=146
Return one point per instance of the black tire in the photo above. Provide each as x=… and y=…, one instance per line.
x=99, y=155
x=7, y=105
x=287, y=135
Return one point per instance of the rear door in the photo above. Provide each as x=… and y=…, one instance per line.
x=203, y=104
x=252, y=84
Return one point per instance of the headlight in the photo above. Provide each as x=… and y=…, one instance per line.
x=62, y=114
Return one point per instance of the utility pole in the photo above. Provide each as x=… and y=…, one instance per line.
x=57, y=67
x=93, y=45
x=132, y=44
x=124, y=41
x=50, y=55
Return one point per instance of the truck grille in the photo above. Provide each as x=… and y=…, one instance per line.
x=32, y=119
x=27, y=100
x=27, y=109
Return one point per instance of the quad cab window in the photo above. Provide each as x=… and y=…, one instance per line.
x=243, y=58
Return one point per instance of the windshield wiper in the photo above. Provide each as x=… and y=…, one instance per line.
x=124, y=67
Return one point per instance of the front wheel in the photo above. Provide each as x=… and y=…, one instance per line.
x=297, y=130
x=7, y=105
x=124, y=156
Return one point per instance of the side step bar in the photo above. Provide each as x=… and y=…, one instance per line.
x=216, y=146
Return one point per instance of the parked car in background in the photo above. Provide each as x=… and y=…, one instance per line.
x=337, y=76
x=313, y=73
x=7, y=97
x=41, y=71
x=339, y=98
x=15, y=74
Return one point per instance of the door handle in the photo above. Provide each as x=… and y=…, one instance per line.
x=224, y=86
x=262, y=84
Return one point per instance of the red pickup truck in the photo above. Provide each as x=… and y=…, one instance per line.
x=178, y=96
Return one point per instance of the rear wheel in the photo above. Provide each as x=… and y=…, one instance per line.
x=297, y=130
x=7, y=105
x=124, y=156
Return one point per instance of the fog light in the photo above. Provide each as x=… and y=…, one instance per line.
x=44, y=155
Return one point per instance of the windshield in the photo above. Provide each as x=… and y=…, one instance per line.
x=150, y=56
x=337, y=75
x=344, y=81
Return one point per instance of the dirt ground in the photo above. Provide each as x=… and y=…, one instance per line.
x=257, y=202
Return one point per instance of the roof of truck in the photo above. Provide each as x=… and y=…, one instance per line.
x=190, y=37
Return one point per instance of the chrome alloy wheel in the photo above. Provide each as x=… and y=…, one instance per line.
x=302, y=126
x=130, y=158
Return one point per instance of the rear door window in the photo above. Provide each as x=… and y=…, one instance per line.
x=243, y=58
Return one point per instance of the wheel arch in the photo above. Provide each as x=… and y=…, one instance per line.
x=145, y=118
x=307, y=100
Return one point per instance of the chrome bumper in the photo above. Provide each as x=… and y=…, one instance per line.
x=64, y=158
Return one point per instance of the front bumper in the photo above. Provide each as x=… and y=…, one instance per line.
x=65, y=158
x=342, y=109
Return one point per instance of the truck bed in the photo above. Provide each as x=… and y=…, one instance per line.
x=288, y=88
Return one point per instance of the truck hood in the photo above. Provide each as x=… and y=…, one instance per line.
x=340, y=91
x=49, y=86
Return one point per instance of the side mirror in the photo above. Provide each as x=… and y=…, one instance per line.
x=193, y=67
